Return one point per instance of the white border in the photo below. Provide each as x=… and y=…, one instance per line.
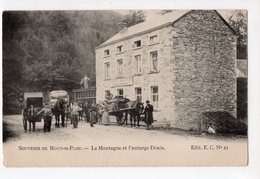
x=251, y=171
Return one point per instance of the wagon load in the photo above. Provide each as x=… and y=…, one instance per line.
x=58, y=94
x=55, y=95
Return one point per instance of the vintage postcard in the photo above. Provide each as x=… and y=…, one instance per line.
x=125, y=88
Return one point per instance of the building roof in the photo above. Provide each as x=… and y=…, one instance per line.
x=150, y=25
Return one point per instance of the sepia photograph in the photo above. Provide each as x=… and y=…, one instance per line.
x=125, y=88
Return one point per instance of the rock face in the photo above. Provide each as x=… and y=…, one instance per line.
x=196, y=69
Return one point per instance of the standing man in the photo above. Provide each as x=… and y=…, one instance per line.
x=148, y=114
x=75, y=114
x=25, y=117
x=47, y=116
x=84, y=81
x=86, y=108
x=31, y=118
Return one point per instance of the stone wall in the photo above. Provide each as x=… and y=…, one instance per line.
x=130, y=81
x=203, y=64
x=196, y=69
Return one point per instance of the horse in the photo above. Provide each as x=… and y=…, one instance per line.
x=135, y=110
x=59, y=109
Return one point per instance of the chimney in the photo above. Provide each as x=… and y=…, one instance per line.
x=121, y=26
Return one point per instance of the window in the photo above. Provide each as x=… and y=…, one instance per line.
x=120, y=93
x=154, y=61
x=137, y=44
x=107, y=70
x=138, y=94
x=119, y=49
x=137, y=64
x=155, y=96
x=153, y=39
x=106, y=52
x=120, y=68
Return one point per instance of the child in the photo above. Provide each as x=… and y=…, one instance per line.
x=211, y=131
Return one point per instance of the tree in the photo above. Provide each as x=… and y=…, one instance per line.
x=134, y=17
x=49, y=50
x=238, y=21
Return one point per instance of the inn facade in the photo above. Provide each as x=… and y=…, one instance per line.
x=183, y=62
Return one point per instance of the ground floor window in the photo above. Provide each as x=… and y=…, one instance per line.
x=138, y=94
x=120, y=93
x=154, y=96
x=107, y=70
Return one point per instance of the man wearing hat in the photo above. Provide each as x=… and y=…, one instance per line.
x=148, y=114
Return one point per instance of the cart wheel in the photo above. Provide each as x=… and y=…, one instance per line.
x=121, y=119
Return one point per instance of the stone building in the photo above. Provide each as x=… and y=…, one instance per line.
x=183, y=62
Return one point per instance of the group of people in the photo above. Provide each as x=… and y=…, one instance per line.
x=74, y=113
x=31, y=115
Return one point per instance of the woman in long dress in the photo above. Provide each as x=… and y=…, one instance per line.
x=105, y=115
x=92, y=115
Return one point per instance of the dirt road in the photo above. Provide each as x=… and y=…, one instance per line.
x=116, y=146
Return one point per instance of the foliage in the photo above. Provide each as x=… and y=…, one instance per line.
x=238, y=21
x=134, y=17
x=49, y=50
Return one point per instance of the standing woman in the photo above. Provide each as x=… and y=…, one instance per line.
x=75, y=114
x=92, y=115
x=105, y=115
x=148, y=114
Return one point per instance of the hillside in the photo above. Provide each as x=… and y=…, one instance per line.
x=48, y=50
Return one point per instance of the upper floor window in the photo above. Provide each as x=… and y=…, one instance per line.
x=154, y=39
x=120, y=70
x=119, y=49
x=154, y=61
x=106, y=52
x=137, y=44
x=137, y=64
x=107, y=70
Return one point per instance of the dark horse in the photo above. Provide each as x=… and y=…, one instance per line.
x=58, y=110
x=135, y=110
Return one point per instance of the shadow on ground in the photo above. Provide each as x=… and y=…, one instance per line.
x=8, y=133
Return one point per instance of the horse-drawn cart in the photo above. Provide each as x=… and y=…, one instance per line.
x=59, y=101
x=122, y=108
x=34, y=99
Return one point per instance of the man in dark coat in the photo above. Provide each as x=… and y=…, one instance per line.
x=148, y=114
x=25, y=116
x=86, y=108
x=31, y=117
